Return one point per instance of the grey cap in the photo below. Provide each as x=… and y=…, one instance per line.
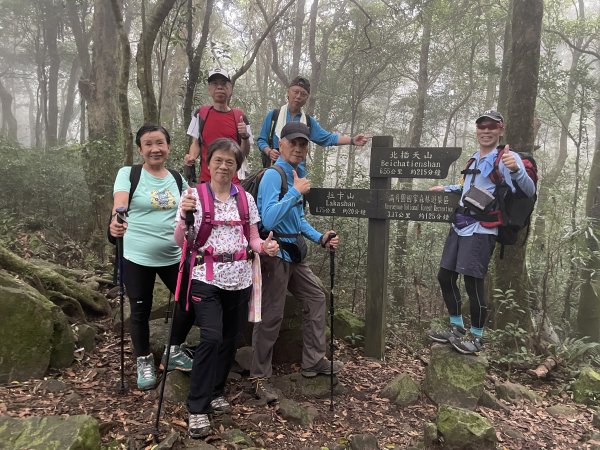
x=490, y=114
x=293, y=130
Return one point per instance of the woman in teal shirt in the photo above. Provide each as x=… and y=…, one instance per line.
x=149, y=248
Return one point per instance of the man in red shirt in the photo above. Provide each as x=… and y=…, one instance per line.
x=217, y=121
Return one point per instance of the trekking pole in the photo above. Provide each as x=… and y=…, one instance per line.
x=121, y=213
x=167, y=314
x=189, y=224
x=331, y=313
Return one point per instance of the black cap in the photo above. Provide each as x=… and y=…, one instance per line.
x=490, y=114
x=302, y=82
x=293, y=130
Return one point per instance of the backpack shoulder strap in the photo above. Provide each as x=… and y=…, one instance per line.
x=309, y=120
x=284, y=186
x=243, y=210
x=134, y=180
x=208, y=214
x=202, y=114
x=274, y=117
x=495, y=174
x=178, y=179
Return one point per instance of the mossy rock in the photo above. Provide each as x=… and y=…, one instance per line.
x=454, y=379
x=86, y=337
x=50, y=433
x=464, y=429
x=402, y=390
x=348, y=326
x=296, y=413
x=26, y=334
x=295, y=384
x=238, y=438
x=63, y=341
x=586, y=389
x=516, y=393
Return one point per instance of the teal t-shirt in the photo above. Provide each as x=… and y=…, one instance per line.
x=148, y=240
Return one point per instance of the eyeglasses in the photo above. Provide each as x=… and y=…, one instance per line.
x=489, y=125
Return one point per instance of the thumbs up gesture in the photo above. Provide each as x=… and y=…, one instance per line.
x=508, y=158
x=270, y=246
x=242, y=128
x=302, y=185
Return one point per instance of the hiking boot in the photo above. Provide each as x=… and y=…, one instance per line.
x=448, y=335
x=323, y=367
x=198, y=426
x=146, y=372
x=178, y=359
x=264, y=390
x=220, y=406
x=468, y=344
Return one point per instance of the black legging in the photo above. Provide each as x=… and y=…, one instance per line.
x=448, y=280
x=139, y=283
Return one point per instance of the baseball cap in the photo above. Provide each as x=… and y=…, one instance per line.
x=302, y=82
x=490, y=114
x=215, y=73
x=293, y=130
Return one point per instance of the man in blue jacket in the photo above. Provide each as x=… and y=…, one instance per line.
x=297, y=96
x=288, y=270
x=470, y=242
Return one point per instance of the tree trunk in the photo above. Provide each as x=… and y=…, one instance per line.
x=588, y=316
x=504, y=88
x=297, y=48
x=150, y=28
x=511, y=271
x=9, y=122
x=194, y=59
x=67, y=115
x=100, y=154
x=51, y=11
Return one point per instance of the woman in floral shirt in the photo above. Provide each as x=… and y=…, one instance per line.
x=220, y=290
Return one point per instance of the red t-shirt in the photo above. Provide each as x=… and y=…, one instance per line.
x=218, y=124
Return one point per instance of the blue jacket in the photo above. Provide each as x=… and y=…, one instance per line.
x=317, y=134
x=285, y=216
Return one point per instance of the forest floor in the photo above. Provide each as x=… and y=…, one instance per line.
x=128, y=419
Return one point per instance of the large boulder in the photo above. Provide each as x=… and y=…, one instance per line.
x=34, y=333
x=454, y=379
x=50, y=433
x=586, y=389
x=464, y=429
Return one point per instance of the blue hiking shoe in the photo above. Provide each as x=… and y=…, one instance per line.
x=146, y=372
x=178, y=360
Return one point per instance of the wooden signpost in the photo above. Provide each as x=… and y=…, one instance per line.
x=380, y=204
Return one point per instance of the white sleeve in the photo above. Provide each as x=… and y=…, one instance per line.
x=193, y=128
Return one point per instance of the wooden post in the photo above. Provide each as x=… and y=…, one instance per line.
x=377, y=267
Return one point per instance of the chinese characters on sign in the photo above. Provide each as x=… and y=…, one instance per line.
x=382, y=204
x=401, y=162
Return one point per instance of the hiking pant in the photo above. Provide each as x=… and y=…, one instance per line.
x=139, y=283
x=278, y=277
x=219, y=314
x=451, y=294
x=469, y=256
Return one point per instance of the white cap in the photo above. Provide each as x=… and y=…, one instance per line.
x=214, y=73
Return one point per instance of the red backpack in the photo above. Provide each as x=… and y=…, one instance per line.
x=188, y=262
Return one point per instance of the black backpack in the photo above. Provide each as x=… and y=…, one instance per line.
x=266, y=159
x=134, y=179
x=252, y=181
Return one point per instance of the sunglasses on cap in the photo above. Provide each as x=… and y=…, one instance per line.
x=491, y=125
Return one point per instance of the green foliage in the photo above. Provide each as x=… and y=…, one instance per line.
x=355, y=340
x=574, y=352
